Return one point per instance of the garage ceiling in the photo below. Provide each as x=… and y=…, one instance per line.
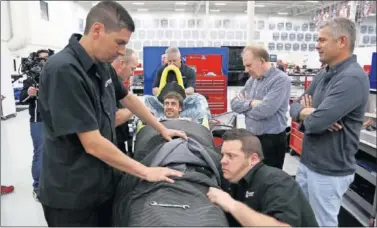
x=302, y=8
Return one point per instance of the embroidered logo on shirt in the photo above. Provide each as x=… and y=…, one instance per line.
x=249, y=194
x=108, y=82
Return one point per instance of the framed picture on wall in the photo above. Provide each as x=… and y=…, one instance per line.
x=169, y=34
x=164, y=23
x=213, y=34
x=230, y=35
x=256, y=35
x=365, y=39
x=311, y=47
x=280, y=26
x=239, y=35
x=218, y=24
x=279, y=46
x=138, y=23
x=373, y=40
x=199, y=23
x=292, y=36
x=271, y=46
x=156, y=23
x=271, y=26
x=177, y=34
x=260, y=25
x=182, y=24
x=172, y=23
x=287, y=46
x=308, y=37
x=275, y=36
x=370, y=29
x=191, y=23
x=195, y=34
x=160, y=34
x=312, y=27
x=142, y=34
x=186, y=35
x=300, y=36
x=288, y=26
x=284, y=36
x=304, y=47
x=304, y=27
x=150, y=34
x=222, y=34
x=315, y=37
x=203, y=34
x=363, y=29
x=296, y=28
x=296, y=47
x=227, y=23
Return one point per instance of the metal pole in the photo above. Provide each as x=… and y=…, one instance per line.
x=250, y=21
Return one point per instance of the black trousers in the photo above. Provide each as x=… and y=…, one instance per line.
x=99, y=216
x=274, y=147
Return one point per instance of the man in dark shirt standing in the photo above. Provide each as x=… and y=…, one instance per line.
x=260, y=195
x=173, y=57
x=29, y=95
x=124, y=67
x=78, y=111
x=331, y=113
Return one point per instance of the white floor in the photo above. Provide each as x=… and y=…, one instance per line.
x=19, y=208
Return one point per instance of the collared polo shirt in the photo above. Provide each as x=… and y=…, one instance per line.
x=273, y=192
x=76, y=95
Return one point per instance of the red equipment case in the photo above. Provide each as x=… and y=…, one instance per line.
x=212, y=87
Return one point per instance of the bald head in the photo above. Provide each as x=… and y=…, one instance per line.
x=173, y=56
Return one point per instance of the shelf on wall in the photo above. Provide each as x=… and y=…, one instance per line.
x=349, y=206
x=371, y=115
x=366, y=174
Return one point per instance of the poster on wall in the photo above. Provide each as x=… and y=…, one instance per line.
x=260, y=25
x=275, y=36
x=182, y=24
x=272, y=26
x=315, y=37
x=172, y=23
x=296, y=28
x=304, y=47
x=373, y=40
x=288, y=26
x=363, y=29
x=222, y=34
x=292, y=36
x=296, y=47
x=287, y=47
x=308, y=37
x=191, y=23
x=141, y=34
x=284, y=36
x=300, y=36
x=280, y=26
x=177, y=34
x=230, y=35
x=164, y=23
x=227, y=23
x=279, y=46
x=304, y=27
x=271, y=46
x=365, y=39
x=370, y=29
x=312, y=27
x=311, y=47
x=256, y=35
x=199, y=23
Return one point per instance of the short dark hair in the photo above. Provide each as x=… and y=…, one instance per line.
x=175, y=95
x=250, y=143
x=42, y=51
x=112, y=15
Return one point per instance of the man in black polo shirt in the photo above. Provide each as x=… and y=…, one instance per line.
x=173, y=57
x=262, y=195
x=78, y=111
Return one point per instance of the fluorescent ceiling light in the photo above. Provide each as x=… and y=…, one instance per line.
x=312, y=1
x=259, y=5
x=138, y=3
x=283, y=13
x=215, y=10
x=142, y=10
x=220, y=4
x=179, y=10
x=181, y=3
x=372, y=14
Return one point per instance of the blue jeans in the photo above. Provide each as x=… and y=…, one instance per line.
x=37, y=137
x=324, y=193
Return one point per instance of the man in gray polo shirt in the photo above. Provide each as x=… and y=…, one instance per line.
x=264, y=102
x=331, y=113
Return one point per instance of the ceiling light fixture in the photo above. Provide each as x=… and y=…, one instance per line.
x=142, y=10
x=259, y=5
x=283, y=13
x=220, y=4
x=179, y=10
x=138, y=3
x=312, y=1
x=181, y=3
x=215, y=10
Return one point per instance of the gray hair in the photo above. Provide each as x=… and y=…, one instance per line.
x=340, y=26
x=127, y=57
x=173, y=50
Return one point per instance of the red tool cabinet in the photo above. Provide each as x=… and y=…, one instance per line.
x=214, y=88
x=296, y=136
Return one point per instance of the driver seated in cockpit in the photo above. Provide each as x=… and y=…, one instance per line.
x=173, y=104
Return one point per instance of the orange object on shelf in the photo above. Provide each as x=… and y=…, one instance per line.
x=295, y=140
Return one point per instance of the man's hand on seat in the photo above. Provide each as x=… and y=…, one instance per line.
x=155, y=91
x=156, y=174
x=168, y=134
x=189, y=91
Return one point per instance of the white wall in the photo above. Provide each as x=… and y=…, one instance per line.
x=54, y=34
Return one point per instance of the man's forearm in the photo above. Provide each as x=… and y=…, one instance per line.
x=122, y=116
x=106, y=151
x=248, y=217
x=134, y=104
